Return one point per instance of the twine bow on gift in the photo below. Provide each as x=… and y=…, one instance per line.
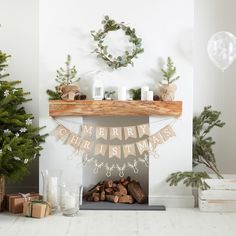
x=26, y=196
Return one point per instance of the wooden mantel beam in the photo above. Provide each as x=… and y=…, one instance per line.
x=114, y=108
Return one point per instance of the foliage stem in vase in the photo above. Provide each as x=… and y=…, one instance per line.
x=203, y=154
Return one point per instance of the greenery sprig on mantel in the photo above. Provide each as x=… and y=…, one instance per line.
x=110, y=25
x=202, y=151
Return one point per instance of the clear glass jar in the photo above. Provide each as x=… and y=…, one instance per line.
x=51, y=188
x=70, y=199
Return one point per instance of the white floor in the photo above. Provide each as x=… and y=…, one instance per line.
x=189, y=222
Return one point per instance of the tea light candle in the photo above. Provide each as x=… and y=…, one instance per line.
x=144, y=91
x=150, y=96
x=122, y=93
x=52, y=191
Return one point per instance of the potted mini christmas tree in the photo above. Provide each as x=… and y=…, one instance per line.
x=20, y=141
x=167, y=86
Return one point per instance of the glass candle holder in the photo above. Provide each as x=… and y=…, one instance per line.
x=70, y=195
x=51, y=188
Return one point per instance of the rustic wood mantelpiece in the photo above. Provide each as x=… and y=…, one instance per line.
x=114, y=108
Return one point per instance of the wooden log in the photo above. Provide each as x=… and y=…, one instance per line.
x=112, y=198
x=96, y=197
x=103, y=196
x=109, y=184
x=122, y=189
x=126, y=199
x=109, y=190
x=135, y=189
x=117, y=194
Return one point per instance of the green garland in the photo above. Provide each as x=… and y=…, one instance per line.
x=110, y=25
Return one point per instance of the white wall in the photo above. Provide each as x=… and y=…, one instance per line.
x=211, y=86
x=19, y=37
x=165, y=27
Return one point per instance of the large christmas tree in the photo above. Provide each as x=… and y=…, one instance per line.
x=20, y=141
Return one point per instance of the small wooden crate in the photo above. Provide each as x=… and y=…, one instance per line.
x=221, y=197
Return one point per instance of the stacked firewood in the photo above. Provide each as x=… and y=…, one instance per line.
x=124, y=190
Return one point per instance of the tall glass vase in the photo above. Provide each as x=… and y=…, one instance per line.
x=51, y=188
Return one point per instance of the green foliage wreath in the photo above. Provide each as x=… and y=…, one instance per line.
x=110, y=25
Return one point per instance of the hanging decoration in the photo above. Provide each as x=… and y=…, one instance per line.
x=124, y=60
x=87, y=149
x=81, y=142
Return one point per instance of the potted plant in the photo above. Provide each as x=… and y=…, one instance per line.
x=108, y=95
x=167, y=87
x=135, y=93
x=68, y=89
x=20, y=141
x=203, y=155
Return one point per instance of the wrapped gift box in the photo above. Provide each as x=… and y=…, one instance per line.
x=36, y=209
x=15, y=201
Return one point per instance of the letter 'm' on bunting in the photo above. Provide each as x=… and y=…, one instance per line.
x=155, y=140
x=142, y=146
x=115, y=132
x=87, y=130
x=115, y=151
x=101, y=132
x=129, y=150
x=143, y=130
x=130, y=132
x=74, y=140
x=100, y=149
x=61, y=132
x=167, y=132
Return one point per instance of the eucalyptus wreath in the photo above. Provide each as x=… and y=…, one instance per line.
x=110, y=25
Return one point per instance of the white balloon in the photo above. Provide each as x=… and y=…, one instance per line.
x=222, y=49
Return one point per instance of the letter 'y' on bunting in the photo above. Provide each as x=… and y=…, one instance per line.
x=130, y=132
x=61, y=132
x=142, y=146
x=143, y=130
x=86, y=145
x=115, y=132
x=74, y=140
x=128, y=150
x=155, y=140
x=100, y=149
x=115, y=151
x=87, y=130
x=167, y=132
x=101, y=132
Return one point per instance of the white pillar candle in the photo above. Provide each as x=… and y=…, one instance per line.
x=122, y=93
x=52, y=191
x=144, y=91
x=150, y=95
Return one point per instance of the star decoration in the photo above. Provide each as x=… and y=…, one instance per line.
x=14, y=90
x=7, y=131
x=17, y=135
x=23, y=130
x=17, y=158
x=6, y=93
x=28, y=121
